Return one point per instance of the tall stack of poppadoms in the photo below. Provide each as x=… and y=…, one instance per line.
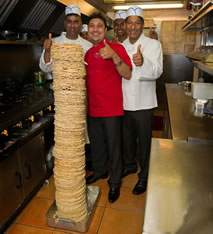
x=70, y=115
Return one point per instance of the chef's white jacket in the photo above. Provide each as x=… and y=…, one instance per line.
x=139, y=92
x=48, y=67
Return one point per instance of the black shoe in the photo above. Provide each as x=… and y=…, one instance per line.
x=114, y=194
x=126, y=172
x=140, y=187
x=91, y=179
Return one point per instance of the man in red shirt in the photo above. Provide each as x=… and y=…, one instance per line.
x=107, y=63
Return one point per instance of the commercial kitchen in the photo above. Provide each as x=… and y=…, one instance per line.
x=179, y=195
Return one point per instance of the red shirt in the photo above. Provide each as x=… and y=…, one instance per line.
x=104, y=86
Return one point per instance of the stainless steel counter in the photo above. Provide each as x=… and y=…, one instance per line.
x=183, y=119
x=179, y=195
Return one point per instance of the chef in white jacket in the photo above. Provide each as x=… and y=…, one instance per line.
x=139, y=96
x=73, y=25
x=119, y=27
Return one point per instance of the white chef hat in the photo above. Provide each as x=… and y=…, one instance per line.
x=134, y=10
x=72, y=9
x=84, y=28
x=120, y=15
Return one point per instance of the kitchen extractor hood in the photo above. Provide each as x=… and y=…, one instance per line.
x=38, y=15
x=44, y=16
x=5, y=9
x=29, y=16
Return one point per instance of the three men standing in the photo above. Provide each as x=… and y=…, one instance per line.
x=107, y=63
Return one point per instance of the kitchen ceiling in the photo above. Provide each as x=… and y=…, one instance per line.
x=86, y=8
x=42, y=16
x=135, y=2
x=157, y=14
x=101, y=5
x=106, y=6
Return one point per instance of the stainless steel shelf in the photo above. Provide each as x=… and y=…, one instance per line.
x=5, y=42
x=183, y=116
x=202, y=21
x=204, y=67
x=194, y=24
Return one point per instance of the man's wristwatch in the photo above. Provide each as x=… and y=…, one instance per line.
x=119, y=63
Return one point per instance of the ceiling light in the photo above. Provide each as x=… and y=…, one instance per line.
x=151, y=6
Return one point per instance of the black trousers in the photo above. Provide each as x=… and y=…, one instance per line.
x=137, y=132
x=105, y=142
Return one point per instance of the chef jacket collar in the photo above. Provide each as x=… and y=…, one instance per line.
x=140, y=38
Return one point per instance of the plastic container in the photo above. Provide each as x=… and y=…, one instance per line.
x=202, y=90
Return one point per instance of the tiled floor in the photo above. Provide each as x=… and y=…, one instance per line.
x=125, y=216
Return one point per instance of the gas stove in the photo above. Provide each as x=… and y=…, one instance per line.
x=13, y=93
x=22, y=106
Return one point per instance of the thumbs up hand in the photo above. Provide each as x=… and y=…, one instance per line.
x=138, y=57
x=48, y=43
x=106, y=52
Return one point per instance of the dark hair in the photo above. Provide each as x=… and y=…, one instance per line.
x=141, y=18
x=98, y=16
